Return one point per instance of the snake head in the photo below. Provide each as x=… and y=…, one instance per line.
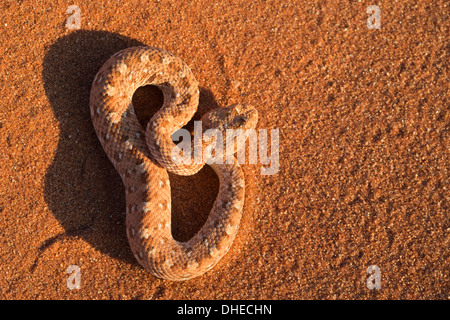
x=238, y=116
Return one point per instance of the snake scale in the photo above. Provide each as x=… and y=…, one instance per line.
x=142, y=157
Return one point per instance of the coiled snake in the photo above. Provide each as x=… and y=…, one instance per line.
x=142, y=158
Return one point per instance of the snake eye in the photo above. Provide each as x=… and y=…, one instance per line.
x=242, y=119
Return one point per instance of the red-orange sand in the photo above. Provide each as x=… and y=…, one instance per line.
x=363, y=117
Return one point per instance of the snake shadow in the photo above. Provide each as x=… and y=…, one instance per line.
x=82, y=188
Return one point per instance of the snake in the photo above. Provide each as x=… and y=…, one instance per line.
x=143, y=157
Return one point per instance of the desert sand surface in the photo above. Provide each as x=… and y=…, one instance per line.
x=363, y=120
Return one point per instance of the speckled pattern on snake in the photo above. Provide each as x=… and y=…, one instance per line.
x=142, y=157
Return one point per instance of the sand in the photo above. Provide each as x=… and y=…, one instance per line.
x=363, y=128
